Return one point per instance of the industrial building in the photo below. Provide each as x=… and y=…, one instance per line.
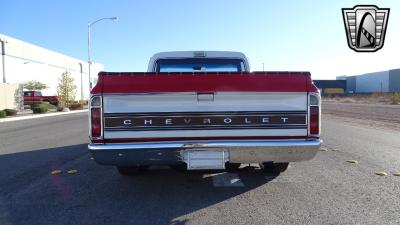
x=21, y=61
x=331, y=86
x=382, y=82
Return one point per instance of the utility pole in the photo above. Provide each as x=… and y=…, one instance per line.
x=80, y=64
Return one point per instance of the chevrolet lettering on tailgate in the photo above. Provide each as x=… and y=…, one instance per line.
x=229, y=120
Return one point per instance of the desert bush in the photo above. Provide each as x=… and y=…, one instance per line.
x=76, y=106
x=40, y=108
x=395, y=99
x=348, y=100
x=375, y=95
x=10, y=112
x=60, y=108
x=336, y=98
x=48, y=105
x=84, y=102
x=33, y=85
x=66, y=89
x=45, y=105
x=2, y=114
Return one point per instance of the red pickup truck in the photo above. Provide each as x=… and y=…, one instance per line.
x=33, y=97
x=203, y=110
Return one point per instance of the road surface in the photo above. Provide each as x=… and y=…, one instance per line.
x=325, y=190
x=377, y=115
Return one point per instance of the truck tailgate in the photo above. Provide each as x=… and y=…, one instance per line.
x=139, y=107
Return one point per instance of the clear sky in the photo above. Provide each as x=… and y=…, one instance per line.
x=285, y=35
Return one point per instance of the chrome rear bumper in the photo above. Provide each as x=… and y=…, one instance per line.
x=152, y=153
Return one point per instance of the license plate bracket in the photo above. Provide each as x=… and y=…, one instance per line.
x=205, y=159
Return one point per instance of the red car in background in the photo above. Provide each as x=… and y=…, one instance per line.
x=33, y=97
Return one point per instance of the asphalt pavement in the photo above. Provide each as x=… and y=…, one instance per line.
x=325, y=190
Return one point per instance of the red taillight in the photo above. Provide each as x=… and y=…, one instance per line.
x=96, y=122
x=314, y=104
x=314, y=120
x=95, y=118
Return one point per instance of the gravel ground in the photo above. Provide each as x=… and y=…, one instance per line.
x=376, y=115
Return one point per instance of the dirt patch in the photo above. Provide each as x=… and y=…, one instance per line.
x=374, y=98
x=377, y=115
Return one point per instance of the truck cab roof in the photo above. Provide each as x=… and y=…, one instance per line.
x=197, y=55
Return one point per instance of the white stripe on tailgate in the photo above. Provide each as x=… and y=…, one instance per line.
x=205, y=133
x=223, y=101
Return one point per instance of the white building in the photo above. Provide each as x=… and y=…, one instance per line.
x=383, y=81
x=22, y=61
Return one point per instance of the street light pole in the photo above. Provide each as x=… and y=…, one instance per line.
x=80, y=64
x=88, y=52
x=88, y=43
x=3, y=61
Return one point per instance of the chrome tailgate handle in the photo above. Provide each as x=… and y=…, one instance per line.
x=205, y=97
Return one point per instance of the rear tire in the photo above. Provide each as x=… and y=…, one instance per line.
x=131, y=170
x=274, y=167
x=181, y=167
x=231, y=167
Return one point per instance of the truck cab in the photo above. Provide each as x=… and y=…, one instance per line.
x=198, y=61
x=32, y=97
x=36, y=97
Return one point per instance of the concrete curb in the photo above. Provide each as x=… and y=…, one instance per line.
x=40, y=116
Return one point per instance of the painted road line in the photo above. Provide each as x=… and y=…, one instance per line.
x=40, y=115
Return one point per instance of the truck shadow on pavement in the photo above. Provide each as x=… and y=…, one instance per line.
x=97, y=194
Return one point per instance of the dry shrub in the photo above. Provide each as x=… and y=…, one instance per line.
x=75, y=106
x=84, y=102
x=395, y=99
x=348, y=100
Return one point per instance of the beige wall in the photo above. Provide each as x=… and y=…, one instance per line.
x=7, y=96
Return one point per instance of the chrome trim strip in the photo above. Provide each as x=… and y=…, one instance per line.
x=195, y=93
x=211, y=113
x=206, y=144
x=196, y=128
